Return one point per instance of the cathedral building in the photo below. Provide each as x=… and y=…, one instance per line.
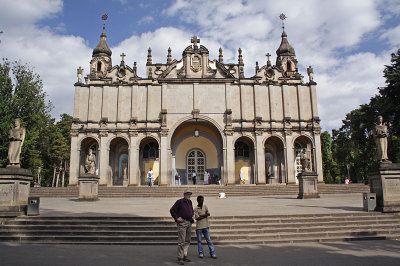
x=194, y=115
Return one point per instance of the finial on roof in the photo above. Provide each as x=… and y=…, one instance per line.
x=169, y=58
x=149, y=58
x=257, y=68
x=221, y=57
x=240, y=59
x=283, y=17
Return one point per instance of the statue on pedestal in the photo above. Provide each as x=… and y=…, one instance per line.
x=305, y=161
x=90, y=163
x=16, y=136
x=380, y=135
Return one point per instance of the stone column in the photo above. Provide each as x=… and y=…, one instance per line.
x=103, y=160
x=74, y=161
x=318, y=158
x=164, y=159
x=260, y=161
x=133, y=161
x=230, y=161
x=290, y=159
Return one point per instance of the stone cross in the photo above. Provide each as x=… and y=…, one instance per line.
x=122, y=56
x=268, y=55
x=195, y=41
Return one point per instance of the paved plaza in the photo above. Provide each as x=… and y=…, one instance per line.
x=240, y=206
x=376, y=252
x=350, y=253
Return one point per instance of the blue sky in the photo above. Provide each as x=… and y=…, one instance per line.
x=347, y=42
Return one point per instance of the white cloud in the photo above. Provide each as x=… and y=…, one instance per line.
x=319, y=31
x=146, y=20
x=392, y=36
x=54, y=57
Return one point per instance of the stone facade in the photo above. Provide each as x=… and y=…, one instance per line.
x=194, y=115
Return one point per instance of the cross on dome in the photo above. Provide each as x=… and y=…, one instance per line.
x=195, y=41
x=122, y=56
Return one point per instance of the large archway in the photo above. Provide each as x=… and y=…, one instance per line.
x=196, y=148
x=118, y=162
x=89, y=144
x=244, y=161
x=301, y=143
x=149, y=159
x=274, y=161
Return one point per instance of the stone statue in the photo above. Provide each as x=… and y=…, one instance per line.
x=90, y=163
x=16, y=136
x=268, y=167
x=80, y=74
x=380, y=136
x=310, y=73
x=305, y=161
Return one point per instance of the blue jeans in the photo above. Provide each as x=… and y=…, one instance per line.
x=150, y=182
x=206, y=233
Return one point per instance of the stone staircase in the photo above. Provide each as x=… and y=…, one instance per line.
x=225, y=230
x=208, y=190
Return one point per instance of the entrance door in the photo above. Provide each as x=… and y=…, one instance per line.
x=195, y=163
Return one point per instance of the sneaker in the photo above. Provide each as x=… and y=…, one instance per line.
x=201, y=256
x=213, y=256
x=186, y=259
x=180, y=262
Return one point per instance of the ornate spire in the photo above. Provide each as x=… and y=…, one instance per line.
x=220, y=57
x=149, y=58
x=102, y=47
x=285, y=48
x=169, y=58
x=240, y=58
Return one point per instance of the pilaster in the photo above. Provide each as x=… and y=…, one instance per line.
x=133, y=160
x=230, y=161
x=74, y=161
x=290, y=159
x=164, y=158
x=260, y=157
x=104, y=159
x=318, y=157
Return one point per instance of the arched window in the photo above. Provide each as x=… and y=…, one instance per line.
x=242, y=149
x=99, y=66
x=150, y=150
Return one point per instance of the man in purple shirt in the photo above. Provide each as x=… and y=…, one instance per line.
x=182, y=212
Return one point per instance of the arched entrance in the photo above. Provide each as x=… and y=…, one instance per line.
x=119, y=162
x=274, y=161
x=196, y=148
x=303, y=143
x=244, y=161
x=89, y=144
x=149, y=159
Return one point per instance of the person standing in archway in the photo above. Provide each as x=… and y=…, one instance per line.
x=150, y=176
x=194, y=178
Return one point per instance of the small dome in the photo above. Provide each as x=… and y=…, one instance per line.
x=102, y=47
x=285, y=48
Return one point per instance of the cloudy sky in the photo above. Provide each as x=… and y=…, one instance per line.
x=347, y=42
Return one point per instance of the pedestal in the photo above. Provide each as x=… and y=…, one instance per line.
x=308, y=185
x=384, y=180
x=14, y=191
x=88, y=187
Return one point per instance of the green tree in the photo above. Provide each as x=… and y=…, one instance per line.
x=327, y=160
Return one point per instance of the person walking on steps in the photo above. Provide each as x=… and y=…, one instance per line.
x=182, y=212
x=203, y=227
